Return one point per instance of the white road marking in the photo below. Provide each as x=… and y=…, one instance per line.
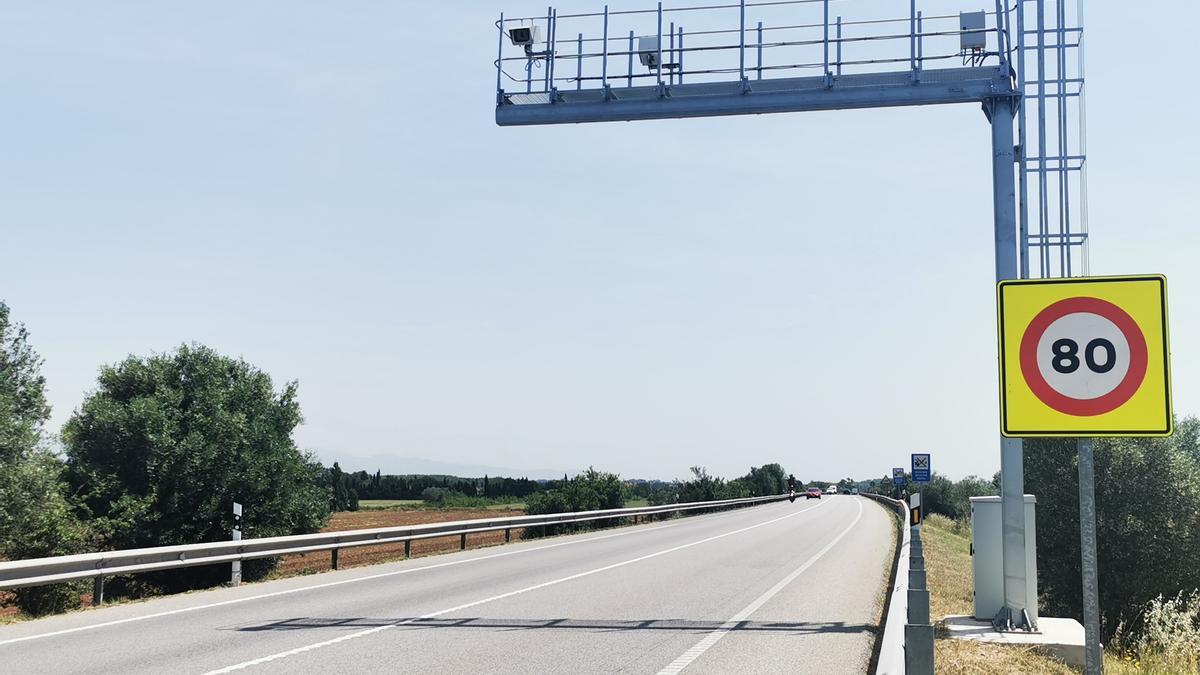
x=687, y=658
x=235, y=601
x=527, y=589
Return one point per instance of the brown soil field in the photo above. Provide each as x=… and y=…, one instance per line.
x=306, y=563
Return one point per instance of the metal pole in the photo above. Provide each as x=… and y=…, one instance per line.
x=1001, y=50
x=825, y=40
x=920, y=43
x=548, y=78
x=671, y=71
x=681, y=55
x=660, y=45
x=1012, y=476
x=1087, y=547
x=500, y=62
x=630, y=76
x=912, y=35
x=839, y=46
x=1022, y=164
x=742, y=42
x=98, y=591
x=1064, y=190
x=552, y=47
x=579, y=64
x=1043, y=202
x=604, y=56
x=759, y=51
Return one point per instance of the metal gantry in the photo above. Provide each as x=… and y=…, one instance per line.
x=739, y=58
x=622, y=65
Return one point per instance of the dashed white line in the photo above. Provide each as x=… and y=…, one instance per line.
x=697, y=650
x=519, y=591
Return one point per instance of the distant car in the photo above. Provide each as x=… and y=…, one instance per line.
x=853, y=491
x=813, y=492
x=831, y=490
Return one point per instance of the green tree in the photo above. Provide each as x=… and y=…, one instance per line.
x=769, y=479
x=36, y=518
x=162, y=448
x=591, y=490
x=1147, y=521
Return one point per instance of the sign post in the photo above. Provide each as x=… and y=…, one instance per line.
x=897, y=479
x=1084, y=358
x=921, y=473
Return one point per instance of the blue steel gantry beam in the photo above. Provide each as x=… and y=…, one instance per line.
x=797, y=94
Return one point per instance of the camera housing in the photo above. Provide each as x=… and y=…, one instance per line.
x=525, y=36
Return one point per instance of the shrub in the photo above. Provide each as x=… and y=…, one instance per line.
x=1166, y=634
x=36, y=521
x=165, y=445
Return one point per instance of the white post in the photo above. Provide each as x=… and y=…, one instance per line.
x=236, y=570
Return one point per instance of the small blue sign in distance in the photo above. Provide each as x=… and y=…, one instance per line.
x=921, y=472
x=898, y=476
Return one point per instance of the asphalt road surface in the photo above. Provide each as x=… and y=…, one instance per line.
x=769, y=589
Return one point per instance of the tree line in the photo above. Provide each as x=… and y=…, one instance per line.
x=350, y=487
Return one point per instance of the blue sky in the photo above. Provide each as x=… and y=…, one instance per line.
x=321, y=189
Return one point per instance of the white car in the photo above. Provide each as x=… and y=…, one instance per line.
x=831, y=490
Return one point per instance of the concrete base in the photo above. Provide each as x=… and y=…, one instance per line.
x=1061, y=637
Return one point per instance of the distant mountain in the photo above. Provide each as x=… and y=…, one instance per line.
x=391, y=464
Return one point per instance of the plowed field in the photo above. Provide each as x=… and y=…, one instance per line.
x=366, y=555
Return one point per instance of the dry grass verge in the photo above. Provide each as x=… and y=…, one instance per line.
x=948, y=566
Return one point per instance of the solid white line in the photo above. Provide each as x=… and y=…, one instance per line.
x=687, y=658
x=381, y=575
x=354, y=580
x=527, y=589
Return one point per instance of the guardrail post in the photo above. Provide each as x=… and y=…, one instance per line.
x=918, y=649
x=918, y=605
x=333, y=559
x=98, y=591
x=916, y=578
x=408, y=548
x=507, y=535
x=462, y=541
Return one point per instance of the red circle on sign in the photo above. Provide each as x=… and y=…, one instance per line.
x=1079, y=406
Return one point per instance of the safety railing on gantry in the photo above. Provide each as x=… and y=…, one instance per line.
x=556, y=53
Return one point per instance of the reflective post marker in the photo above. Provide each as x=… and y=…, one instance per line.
x=1087, y=548
x=235, y=577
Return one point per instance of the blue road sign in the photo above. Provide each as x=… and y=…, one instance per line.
x=898, y=476
x=920, y=468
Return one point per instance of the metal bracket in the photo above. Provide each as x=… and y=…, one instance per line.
x=746, y=86
x=608, y=95
x=828, y=80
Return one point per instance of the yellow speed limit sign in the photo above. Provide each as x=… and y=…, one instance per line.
x=1084, y=357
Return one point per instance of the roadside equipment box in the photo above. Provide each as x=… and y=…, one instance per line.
x=987, y=557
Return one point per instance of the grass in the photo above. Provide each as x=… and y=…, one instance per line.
x=948, y=564
x=509, y=506
x=948, y=572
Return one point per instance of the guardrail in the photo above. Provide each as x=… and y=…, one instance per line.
x=891, y=648
x=41, y=571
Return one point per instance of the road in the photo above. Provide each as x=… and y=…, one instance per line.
x=769, y=589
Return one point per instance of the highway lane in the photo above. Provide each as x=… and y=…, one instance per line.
x=765, y=589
